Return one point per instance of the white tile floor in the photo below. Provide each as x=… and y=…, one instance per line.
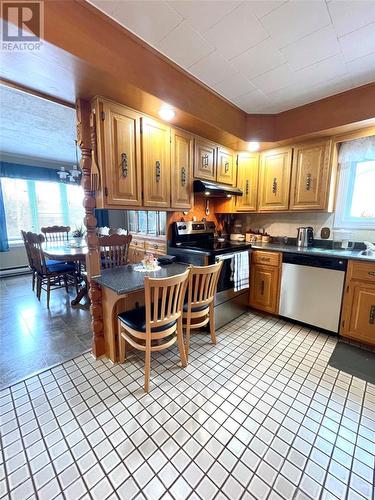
x=259, y=415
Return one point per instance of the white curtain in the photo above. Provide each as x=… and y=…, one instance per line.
x=358, y=150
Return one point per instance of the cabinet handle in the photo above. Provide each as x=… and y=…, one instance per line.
x=157, y=171
x=205, y=161
x=183, y=176
x=247, y=186
x=265, y=259
x=262, y=287
x=124, y=164
x=274, y=186
x=226, y=167
x=371, y=273
x=308, y=182
x=371, y=319
x=155, y=245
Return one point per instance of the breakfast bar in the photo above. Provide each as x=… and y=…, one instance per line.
x=123, y=289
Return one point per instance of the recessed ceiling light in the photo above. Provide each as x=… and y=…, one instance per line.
x=253, y=146
x=166, y=113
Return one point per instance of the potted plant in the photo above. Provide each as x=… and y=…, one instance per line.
x=77, y=235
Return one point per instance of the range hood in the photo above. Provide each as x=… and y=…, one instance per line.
x=215, y=190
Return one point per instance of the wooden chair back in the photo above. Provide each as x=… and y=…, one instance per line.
x=27, y=248
x=203, y=284
x=164, y=299
x=114, y=250
x=56, y=233
x=38, y=261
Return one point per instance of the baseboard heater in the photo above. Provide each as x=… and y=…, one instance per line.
x=14, y=271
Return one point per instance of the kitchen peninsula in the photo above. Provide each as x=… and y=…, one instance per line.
x=123, y=289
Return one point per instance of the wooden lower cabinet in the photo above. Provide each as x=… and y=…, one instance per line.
x=265, y=281
x=358, y=310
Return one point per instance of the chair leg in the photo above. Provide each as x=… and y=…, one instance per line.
x=38, y=287
x=66, y=283
x=180, y=341
x=48, y=291
x=147, y=364
x=187, y=336
x=121, y=345
x=212, y=323
x=33, y=280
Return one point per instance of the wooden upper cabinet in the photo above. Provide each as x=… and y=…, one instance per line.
x=122, y=161
x=225, y=166
x=310, y=176
x=247, y=181
x=205, y=159
x=156, y=160
x=274, y=182
x=181, y=170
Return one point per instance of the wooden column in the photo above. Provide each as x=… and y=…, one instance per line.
x=93, y=257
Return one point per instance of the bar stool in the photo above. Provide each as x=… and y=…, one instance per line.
x=199, y=308
x=157, y=325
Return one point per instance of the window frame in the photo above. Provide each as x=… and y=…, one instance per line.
x=33, y=206
x=344, y=199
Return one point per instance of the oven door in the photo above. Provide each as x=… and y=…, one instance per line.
x=226, y=276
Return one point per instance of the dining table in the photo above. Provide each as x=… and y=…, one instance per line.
x=67, y=251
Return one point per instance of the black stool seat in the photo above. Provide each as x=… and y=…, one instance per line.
x=61, y=267
x=196, y=308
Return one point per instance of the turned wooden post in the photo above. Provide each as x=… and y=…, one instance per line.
x=93, y=257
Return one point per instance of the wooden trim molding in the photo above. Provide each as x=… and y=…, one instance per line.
x=84, y=140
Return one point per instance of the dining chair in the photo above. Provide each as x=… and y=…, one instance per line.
x=49, y=276
x=56, y=234
x=29, y=259
x=157, y=325
x=198, y=309
x=114, y=250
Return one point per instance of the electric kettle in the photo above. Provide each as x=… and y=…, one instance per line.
x=305, y=236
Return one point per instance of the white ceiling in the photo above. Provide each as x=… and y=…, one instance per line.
x=34, y=128
x=265, y=56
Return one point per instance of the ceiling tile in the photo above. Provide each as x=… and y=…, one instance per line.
x=148, y=19
x=275, y=79
x=296, y=19
x=349, y=16
x=362, y=70
x=312, y=48
x=358, y=43
x=259, y=59
x=184, y=45
x=252, y=102
x=212, y=69
x=205, y=13
x=236, y=32
x=332, y=67
x=233, y=86
x=262, y=7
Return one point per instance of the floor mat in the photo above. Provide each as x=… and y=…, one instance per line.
x=354, y=360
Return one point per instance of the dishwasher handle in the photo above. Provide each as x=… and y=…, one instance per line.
x=315, y=261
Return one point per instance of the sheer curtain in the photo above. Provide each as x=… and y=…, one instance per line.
x=358, y=150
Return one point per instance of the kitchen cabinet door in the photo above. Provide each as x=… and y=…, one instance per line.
x=122, y=167
x=359, y=323
x=225, y=166
x=181, y=170
x=247, y=181
x=275, y=167
x=204, y=159
x=264, y=288
x=310, y=176
x=156, y=159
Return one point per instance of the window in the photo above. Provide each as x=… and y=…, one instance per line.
x=30, y=205
x=356, y=200
x=146, y=222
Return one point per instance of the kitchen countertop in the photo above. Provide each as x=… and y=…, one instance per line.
x=318, y=251
x=124, y=279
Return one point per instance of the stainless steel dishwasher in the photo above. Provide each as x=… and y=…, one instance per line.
x=311, y=289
